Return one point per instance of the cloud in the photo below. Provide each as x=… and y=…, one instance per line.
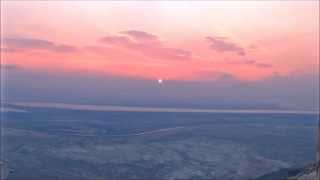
x=116, y=40
x=140, y=35
x=263, y=65
x=249, y=62
x=147, y=44
x=252, y=63
x=8, y=50
x=217, y=76
x=9, y=66
x=257, y=64
x=36, y=44
x=221, y=44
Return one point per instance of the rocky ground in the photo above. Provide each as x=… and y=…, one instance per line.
x=55, y=144
x=305, y=173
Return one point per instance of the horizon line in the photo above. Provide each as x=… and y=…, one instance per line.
x=92, y=107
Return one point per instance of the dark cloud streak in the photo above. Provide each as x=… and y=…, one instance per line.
x=221, y=44
x=252, y=63
x=140, y=35
x=9, y=67
x=36, y=44
x=147, y=44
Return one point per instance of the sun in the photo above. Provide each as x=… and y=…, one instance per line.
x=160, y=81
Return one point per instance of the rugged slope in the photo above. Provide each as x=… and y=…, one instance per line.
x=306, y=173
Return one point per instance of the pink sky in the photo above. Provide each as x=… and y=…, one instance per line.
x=248, y=40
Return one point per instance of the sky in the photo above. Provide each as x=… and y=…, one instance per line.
x=235, y=54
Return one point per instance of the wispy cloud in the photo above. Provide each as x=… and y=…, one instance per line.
x=140, y=35
x=263, y=65
x=36, y=44
x=8, y=50
x=251, y=63
x=9, y=66
x=222, y=44
x=147, y=44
